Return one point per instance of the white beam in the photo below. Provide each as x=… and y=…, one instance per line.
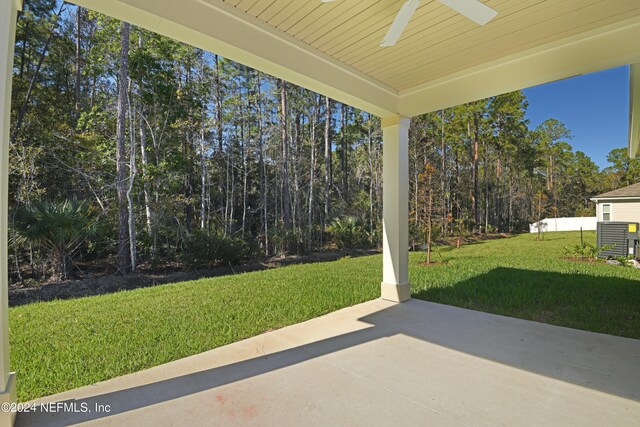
x=395, y=206
x=218, y=27
x=634, y=111
x=606, y=47
x=8, y=16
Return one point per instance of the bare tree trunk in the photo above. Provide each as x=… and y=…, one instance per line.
x=144, y=158
x=443, y=176
x=92, y=97
x=188, y=147
x=296, y=182
x=497, y=204
x=486, y=187
x=277, y=201
x=371, y=178
x=327, y=164
x=286, y=213
x=133, y=253
x=539, y=215
x=244, y=172
x=123, y=258
x=218, y=103
x=456, y=195
x=204, y=172
x=510, y=183
x=228, y=190
x=378, y=185
x=550, y=174
x=551, y=189
x=313, y=163
x=219, y=136
x=231, y=181
x=148, y=210
x=343, y=153
x=264, y=223
x=429, y=213
x=78, y=59
x=414, y=199
x=476, y=138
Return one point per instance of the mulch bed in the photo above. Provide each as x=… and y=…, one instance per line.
x=106, y=284
x=114, y=283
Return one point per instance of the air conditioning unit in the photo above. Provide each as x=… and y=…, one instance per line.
x=618, y=238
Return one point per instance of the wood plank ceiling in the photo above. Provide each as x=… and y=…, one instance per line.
x=438, y=41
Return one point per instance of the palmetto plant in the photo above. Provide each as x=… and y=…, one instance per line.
x=60, y=228
x=349, y=233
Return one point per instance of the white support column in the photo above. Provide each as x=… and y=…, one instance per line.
x=8, y=15
x=395, y=200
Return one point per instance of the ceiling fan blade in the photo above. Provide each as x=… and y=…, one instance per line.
x=472, y=9
x=400, y=22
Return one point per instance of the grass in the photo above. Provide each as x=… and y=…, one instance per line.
x=61, y=345
x=521, y=277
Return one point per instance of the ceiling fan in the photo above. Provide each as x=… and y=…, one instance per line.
x=472, y=9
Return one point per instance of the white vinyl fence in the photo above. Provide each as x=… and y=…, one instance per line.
x=565, y=224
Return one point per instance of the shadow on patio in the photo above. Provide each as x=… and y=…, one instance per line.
x=440, y=361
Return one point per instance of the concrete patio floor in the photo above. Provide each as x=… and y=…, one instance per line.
x=381, y=363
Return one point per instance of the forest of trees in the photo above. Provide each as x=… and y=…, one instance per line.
x=128, y=148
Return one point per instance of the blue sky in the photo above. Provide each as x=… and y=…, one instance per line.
x=595, y=107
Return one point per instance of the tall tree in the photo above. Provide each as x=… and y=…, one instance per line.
x=623, y=170
x=328, y=175
x=242, y=155
x=550, y=134
x=286, y=206
x=314, y=117
x=123, y=253
x=264, y=212
x=79, y=12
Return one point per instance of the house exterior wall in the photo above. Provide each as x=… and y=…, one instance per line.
x=599, y=211
x=621, y=210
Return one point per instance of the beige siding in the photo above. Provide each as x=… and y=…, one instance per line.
x=621, y=210
x=599, y=211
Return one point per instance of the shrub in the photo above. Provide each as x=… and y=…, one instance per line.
x=282, y=241
x=349, y=233
x=585, y=251
x=60, y=228
x=210, y=250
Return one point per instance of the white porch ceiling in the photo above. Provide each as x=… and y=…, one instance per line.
x=442, y=59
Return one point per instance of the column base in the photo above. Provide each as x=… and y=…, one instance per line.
x=395, y=292
x=8, y=396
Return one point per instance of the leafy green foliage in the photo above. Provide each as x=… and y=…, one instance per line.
x=623, y=170
x=213, y=159
x=286, y=241
x=202, y=249
x=59, y=227
x=624, y=260
x=349, y=233
x=584, y=251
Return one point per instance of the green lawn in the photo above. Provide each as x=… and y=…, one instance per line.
x=520, y=277
x=61, y=345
